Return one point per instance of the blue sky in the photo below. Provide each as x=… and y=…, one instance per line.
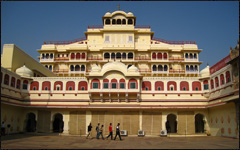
x=213, y=25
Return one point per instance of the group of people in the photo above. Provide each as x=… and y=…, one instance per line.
x=100, y=131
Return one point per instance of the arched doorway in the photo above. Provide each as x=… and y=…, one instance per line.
x=31, y=122
x=199, y=123
x=171, y=124
x=58, y=123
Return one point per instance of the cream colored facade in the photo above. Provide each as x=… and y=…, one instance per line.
x=119, y=73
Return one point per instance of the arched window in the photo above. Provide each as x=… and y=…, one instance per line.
x=82, y=85
x=118, y=55
x=51, y=56
x=160, y=68
x=114, y=84
x=228, y=79
x=46, y=66
x=6, y=79
x=154, y=68
x=107, y=21
x=159, y=86
x=47, y=56
x=222, y=79
x=130, y=21
x=184, y=84
x=132, y=84
x=58, y=85
x=106, y=56
x=77, y=68
x=118, y=21
x=124, y=56
x=124, y=21
x=186, y=55
x=113, y=21
x=78, y=56
x=46, y=85
x=72, y=56
x=212, y=85
x=113, y=56
x=154, y=56
x=122, y=84
x=50, y=67
x=70, y=85
x=82, y=68
x=34, y=85
x=191, y=68
x=25, y=85
x=72, y=68
x=195, y=56
x=165, y=56
x=43, y=56
x=18, y=84
x=196, y=68
x=95, y=84
x=165, y=68
x=105, y=83
x=130, y=55
x=159, y=55
x=216, y=82
x=196, y=86
x=205, y=84
x=13, y=82
x=146, y=86
x=191, y=56
x=187, y=68
x=83, y=55
x=172, y=86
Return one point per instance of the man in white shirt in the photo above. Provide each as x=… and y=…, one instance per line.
x=118, y=132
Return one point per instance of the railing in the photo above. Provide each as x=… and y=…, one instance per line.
x=159, y=58
x=77, y=59
x=142, y=58
x=159, y=71
x=145, y=70
x=77, y=71
x=191, y=59
x=95, y=26
x=192, y=72
x=61, y=71
x=94, y=58
x=176, y=58
x=61, y=59
x=173, y=42
x=176, y=71
x=46, y=59
x=65, y=42
x=142, y=26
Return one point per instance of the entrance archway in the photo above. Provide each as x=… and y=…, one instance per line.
x=31, y=122
x=171, y=124
x=58, y=123
x=199, y=123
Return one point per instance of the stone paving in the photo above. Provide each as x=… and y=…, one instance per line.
x=54, y=141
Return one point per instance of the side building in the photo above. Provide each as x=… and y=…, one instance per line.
x=118, y=73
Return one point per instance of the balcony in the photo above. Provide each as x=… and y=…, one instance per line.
x=145, y=70
x=191, y=59
x=46, y=60
x=61, y=71
x=94, y=58
x=143, y=58
x=77, y=59
x=173, y=42
x=176, y=59
x=191, y=72
x=159, y=71
x=65, y=42
x=61, y=59
x=77, y=71
x=177, y=71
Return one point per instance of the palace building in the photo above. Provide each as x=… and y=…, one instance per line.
x=119, y=73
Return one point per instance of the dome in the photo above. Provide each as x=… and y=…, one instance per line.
x=132, y=69
x=205, y=72
x=130, y=14
x=96, y=68
x=108, y=14
x=24, y=71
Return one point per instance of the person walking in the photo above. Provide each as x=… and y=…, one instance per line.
x=3, y=129
x=110, y=131
x=101, y=132
x=118, y=132
x=97, y=129
x=89, y=130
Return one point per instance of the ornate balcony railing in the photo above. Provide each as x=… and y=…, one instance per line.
x=159, y=71
x=65, y=42
x=61, y=59
x=145, y=70
x=94, y=58
x=176, y=59
x=44, y=59
x=191, y=72
x=61, y=71
x=173, y=42
x=176, y=71
x=191, y=59
x=142, y=58
x=77, y=71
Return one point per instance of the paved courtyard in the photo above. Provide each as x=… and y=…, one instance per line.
x=54, y=141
